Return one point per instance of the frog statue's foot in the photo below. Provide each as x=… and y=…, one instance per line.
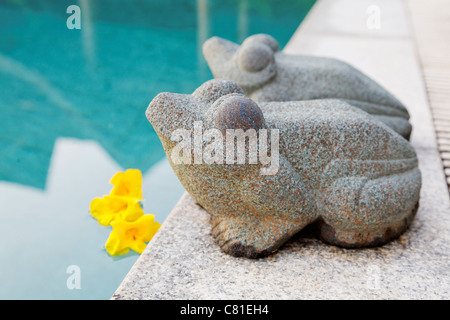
x=363, y=212
x=366, y=238
x=249, y=237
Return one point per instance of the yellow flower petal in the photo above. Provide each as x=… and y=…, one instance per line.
x=114, y=246
x=110, y=208
x=127, y=184
x=131, y=235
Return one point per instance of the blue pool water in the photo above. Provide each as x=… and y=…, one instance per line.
x=72, y=106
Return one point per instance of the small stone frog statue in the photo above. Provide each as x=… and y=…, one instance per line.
x=327, y=165
x=267, y=74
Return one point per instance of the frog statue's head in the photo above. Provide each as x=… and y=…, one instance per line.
x=251, y=64
x=218, y=104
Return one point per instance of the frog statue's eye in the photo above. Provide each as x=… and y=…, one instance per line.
x=254, y=57
x=213, y=89
x=235, y=111
x=256, y=52
x=262, y=38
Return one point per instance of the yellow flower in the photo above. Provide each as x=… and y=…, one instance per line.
x=110, y=208
x=123, y=202
x=127, y=184
x=122, y=210
x=131, y=235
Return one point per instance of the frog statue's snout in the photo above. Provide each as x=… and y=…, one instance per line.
x=217, y=50
x=165, y=104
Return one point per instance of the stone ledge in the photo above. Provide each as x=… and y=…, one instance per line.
x=183, y=262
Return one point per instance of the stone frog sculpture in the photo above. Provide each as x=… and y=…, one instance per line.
x=339, y=170
x=267, y=74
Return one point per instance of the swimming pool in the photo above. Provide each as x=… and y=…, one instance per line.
x=72, y=106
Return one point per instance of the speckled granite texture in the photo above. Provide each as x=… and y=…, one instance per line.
x=337, y=168
x=183, y=261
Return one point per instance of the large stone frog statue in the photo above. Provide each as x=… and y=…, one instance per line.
x=339, y=169
x=267, y=74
